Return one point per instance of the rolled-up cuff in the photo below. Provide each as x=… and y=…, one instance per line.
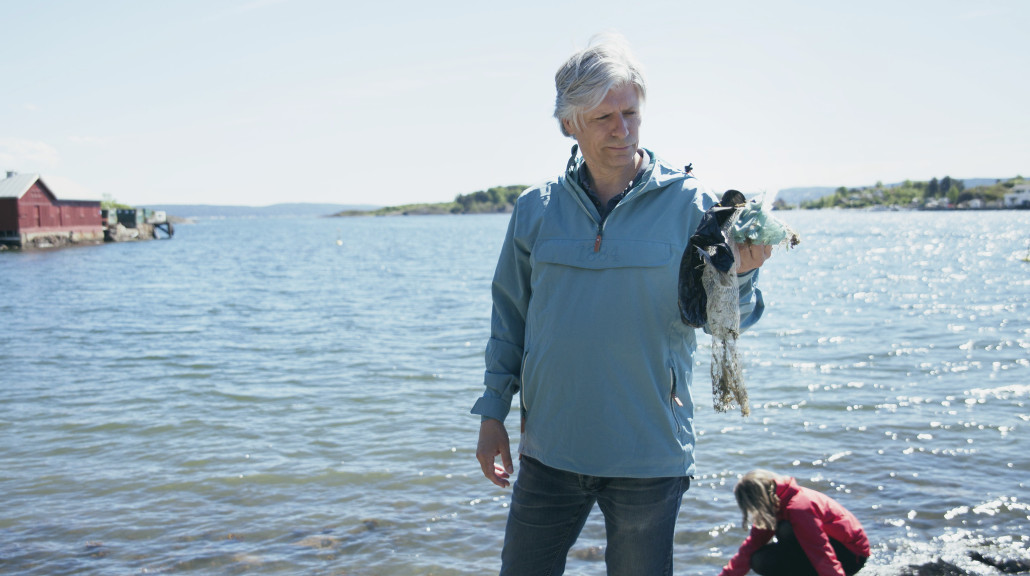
x=745, y=278
x=495, y=408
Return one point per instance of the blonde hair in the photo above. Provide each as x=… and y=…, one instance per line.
x=756, y=495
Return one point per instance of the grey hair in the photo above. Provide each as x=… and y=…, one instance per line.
x=756, y=495
x=585, y=78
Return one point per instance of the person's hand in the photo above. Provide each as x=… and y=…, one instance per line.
x=493, y=441
x=752, y=256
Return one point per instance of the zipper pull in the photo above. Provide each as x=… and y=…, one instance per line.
x=675, y=398
x=597, y=241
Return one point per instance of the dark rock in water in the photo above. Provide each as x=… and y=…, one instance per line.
x=97, y=549
x=935, y=568
x=1006, y=566
x=367, y=525
x=319, y=541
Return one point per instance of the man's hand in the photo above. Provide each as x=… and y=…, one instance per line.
x=493, y=441
x=752, y=256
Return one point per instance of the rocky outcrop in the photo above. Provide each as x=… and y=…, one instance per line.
x=942, y=567
x=119, y=233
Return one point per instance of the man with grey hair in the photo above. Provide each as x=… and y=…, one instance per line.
x=586, y=328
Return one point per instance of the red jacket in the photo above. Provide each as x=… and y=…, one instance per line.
x=815, y=518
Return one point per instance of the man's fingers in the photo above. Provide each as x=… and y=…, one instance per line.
x=493, y=442
x=506, y=461
x=486, y=463
x=502, y=476
x=497, y=475
x=753, y=255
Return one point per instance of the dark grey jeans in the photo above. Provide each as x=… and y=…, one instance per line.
x=549, y=508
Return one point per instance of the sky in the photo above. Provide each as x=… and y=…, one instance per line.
x=388, y=102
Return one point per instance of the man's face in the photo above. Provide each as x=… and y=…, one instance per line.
x=608, y=134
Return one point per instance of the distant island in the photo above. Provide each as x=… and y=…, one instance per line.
x=287, y=210
x=944, y=194
x=947, y=193
x=499, y=199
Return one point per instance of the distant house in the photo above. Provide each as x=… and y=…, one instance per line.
x=1019, y=197
x=31, y=215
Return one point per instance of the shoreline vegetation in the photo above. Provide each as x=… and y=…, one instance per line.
x=496, y=200
x=944, y=194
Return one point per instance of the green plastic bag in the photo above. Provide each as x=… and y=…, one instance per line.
x=757, y=225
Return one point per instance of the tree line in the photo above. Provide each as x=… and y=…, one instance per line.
x=909, y=194
x=489, y=201
x=496, y=199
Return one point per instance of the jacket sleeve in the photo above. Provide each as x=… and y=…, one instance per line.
x=751, y=303
x=809, y=531
x=740, y=564
x=511, y=291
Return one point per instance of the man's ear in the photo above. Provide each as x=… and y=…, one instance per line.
x=567, y=124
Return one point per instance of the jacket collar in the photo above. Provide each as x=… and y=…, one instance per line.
x=657, y=174
x=786, y=490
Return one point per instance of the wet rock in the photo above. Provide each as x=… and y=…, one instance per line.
x=941, y=567
x=935, y=568
x=248, y=560
x=1005, y=566
x=326, y=539
x=319, y=541
x=97, y=549
x=367, y=525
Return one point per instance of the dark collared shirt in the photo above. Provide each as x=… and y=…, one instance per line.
x=583, y=178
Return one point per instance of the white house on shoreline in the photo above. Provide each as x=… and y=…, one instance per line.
x=1019, y=196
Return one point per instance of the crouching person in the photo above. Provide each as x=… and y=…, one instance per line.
x=815, y=535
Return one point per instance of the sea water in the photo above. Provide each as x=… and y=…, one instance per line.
x=291, y=396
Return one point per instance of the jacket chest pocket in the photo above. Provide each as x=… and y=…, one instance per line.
x=613, y=254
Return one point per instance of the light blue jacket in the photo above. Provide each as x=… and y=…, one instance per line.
x=586, y=325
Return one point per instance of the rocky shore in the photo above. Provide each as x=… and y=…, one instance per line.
x=942, y=567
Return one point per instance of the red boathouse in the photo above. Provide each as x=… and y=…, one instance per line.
x=32, y=216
